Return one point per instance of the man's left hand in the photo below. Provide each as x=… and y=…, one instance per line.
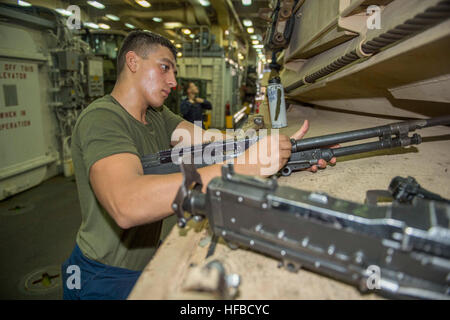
x=322, y=164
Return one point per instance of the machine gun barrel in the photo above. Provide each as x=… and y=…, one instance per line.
x=372, y=146
x=308, y=152
x=397, y=128
x=305, y=152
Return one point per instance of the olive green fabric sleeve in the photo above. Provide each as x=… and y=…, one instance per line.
x=100, y=141
x=172, y=120
x=103, y=129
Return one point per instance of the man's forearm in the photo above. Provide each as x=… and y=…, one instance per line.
x=148, y=198
x=187, y=134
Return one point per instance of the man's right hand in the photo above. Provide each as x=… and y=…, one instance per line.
x=266, y=157
x=271, y=154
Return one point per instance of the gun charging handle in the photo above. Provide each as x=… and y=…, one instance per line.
x=189, y=196
x=404, y=190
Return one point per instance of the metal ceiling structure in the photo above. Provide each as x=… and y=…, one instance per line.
x=226, y=14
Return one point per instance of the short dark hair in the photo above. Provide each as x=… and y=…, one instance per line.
x=142, y=42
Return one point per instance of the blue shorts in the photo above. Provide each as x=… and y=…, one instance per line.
x=86, y=279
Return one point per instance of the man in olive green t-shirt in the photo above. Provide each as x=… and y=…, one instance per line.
x=122, y=208
x=105, y=129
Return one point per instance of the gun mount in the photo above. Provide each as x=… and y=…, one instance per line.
x=400, y=251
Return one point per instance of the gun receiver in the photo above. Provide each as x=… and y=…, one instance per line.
x=168, y=161
x=305, y=152
x=400, y=251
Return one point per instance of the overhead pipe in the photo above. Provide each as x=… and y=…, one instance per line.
x=235, y=15
x=185, y=16
x=167, y=33
x=200, y=13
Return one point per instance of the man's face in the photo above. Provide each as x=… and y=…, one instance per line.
x=156, y=75
x=193, y=88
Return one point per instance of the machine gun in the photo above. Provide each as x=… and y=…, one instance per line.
x=305, y=152
x=400, y=251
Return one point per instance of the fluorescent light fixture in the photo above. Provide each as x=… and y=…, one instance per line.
x=179, y=54
x=96, y=4
x=186, y=31
x=157, y=19
x=192, y=36
x=254, y=37
x=143, y=3
x=129, y=25
x=255, y=41
x=250, y=30
x=247, y=2
x=204, y=3
x=172, y=25
x=258, y=46
x=104, y=26
x=178, y=45
x=112, y=17
x=91, y=25
x=247, y=22
x=64, y=12
x=173, y=41
x=23, y=3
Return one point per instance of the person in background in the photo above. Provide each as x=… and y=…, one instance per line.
x=192, y=107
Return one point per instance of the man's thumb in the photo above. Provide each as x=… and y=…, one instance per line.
x=302, y=131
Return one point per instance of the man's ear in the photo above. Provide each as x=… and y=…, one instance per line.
x=131, y=60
